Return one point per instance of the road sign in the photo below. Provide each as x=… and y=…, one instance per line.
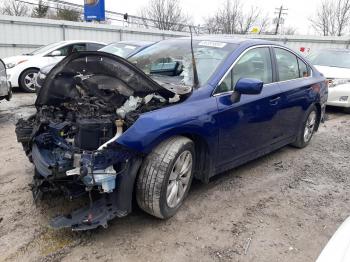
x=94, y=10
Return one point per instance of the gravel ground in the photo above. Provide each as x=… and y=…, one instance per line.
x=281, y=207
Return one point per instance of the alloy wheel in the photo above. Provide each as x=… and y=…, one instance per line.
x=29, y=80
x=309, y=126
x=179, y=179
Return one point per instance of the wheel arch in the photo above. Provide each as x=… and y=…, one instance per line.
x=26, y=69
x=204, y=165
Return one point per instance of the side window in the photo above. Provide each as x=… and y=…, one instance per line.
x=226, y=84
x=68, y=49
x=94, y=46
x=287, y=65
x=78, y=48
x=304, y=70
x=64, y=50
x=256, y=63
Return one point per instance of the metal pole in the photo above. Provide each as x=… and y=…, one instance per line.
x=63, y=32
x=278, y=19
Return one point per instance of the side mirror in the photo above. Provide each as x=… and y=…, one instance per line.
x=246, y=86
x=56, y=53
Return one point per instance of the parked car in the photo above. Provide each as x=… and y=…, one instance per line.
x=338, y=247
x=126, y=48
x=123, y=49
x=334, y=64
x=22, y=69
x=5, y=87
x=165, y=116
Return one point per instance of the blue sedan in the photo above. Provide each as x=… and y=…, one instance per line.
x=180, y=109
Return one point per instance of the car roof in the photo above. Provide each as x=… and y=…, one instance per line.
x=231, y=39
x=80, y=41
x=137, y=43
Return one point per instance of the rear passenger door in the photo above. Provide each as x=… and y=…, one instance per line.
x=295, y=81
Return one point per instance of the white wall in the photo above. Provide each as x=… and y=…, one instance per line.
x=22, y=34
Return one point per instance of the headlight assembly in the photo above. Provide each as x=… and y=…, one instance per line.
x=337, y=81
x=10, y=65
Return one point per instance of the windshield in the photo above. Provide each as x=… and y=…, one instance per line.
x=173, y=58
x=119, y=49
x=44, y=49
x=334, y=58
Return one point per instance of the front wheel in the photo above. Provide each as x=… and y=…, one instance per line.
x=307, y=129
x=27, y=80
x=165, y=177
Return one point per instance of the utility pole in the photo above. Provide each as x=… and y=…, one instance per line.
x=279, y=19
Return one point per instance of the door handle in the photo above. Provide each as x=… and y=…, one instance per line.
x=274, y=101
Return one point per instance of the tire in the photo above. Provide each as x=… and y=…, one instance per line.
x=307, y=129
x=27, y=80
x=158, y=186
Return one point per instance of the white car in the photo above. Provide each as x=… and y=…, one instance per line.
x=338, y=247
x=5, y=87
x=22, y=69
x=334, y=64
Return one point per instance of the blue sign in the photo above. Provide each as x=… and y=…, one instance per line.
x=94, y=10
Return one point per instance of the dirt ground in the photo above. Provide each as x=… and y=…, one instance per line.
x=281, y=207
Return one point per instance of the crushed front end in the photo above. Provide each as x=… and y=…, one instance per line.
x=87, y=101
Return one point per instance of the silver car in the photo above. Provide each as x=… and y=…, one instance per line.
x=5, y=87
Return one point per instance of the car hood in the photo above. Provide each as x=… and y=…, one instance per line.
x=15, y=59
x=333, y=72
x=100, y=72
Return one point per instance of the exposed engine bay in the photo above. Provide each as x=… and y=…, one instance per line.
x=87, y=101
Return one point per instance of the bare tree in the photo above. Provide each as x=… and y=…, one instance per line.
x=15, y=8
x=164, y=15
x=228, y=16
x=289, y=31
x=41, y=10
x=264, y=24
x=232, y=18
x=247, y=20
x=332, y=17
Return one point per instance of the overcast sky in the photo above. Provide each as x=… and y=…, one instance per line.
x=299, y=11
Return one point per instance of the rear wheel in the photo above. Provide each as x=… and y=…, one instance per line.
x=307, y=129
x=27, y=80
x=165, y=177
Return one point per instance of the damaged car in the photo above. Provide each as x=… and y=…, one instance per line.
x=114, y=129
x=5, y=86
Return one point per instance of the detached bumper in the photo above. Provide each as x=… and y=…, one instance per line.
x=107, y=207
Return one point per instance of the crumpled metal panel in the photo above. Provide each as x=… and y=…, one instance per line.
x=88, y=69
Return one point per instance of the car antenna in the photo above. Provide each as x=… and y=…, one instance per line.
x=194, y=67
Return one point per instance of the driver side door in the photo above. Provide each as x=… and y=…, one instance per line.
x=251, y=124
